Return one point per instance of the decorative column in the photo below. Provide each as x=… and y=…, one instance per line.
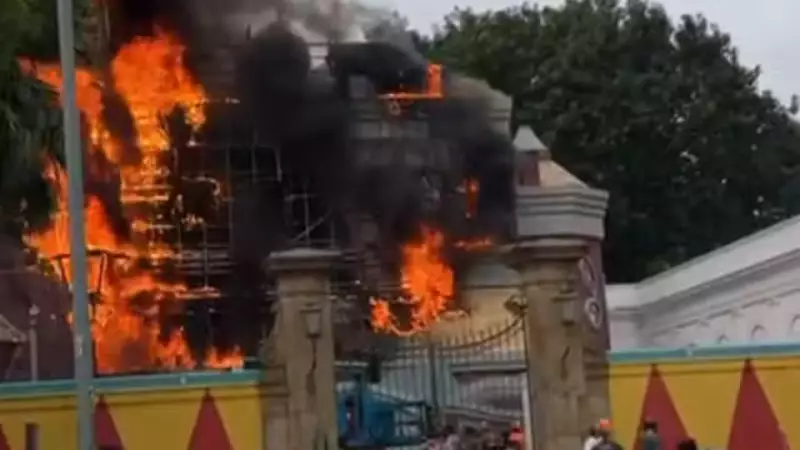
x=300, y=354
x=553, y=340
x=558, y=221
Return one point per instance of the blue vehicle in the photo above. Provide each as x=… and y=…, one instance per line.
x=368, y=420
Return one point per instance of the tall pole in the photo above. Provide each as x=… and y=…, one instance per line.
x=434, y=382
x=84, y=370
x=527, y=416
x=33, y=341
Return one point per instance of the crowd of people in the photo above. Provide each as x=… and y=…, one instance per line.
x=485, y=437
x=601, y=437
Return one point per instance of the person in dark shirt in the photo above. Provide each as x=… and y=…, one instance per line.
x=608, y=445
x=650, y=440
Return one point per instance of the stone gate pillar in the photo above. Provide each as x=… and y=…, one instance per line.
x=558, y=219
x=300, y=351
x=554, y=349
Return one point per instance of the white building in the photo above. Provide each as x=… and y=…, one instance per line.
x=747, y=291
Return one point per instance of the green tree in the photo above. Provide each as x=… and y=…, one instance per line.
x=660, y=114
x=30, y=116
x=29, y=123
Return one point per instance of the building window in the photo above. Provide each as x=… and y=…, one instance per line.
x=758, y=333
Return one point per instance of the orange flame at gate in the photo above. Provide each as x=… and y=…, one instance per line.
x=427, y=284
x=149, y=76
x=427, y=280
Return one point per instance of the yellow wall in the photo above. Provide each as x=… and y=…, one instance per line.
x=157, y=418
x=704, y=389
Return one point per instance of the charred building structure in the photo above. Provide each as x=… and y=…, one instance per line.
x=356, y=145
x=355, y=152
x=327, y=144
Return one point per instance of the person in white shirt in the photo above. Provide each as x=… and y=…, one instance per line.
x=452, y=441
x=592, y=439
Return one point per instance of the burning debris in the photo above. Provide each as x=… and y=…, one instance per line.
x=149, y=77
x=417, y=154
x=374, y=130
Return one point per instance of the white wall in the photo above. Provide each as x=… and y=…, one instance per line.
x=748, y=291
x=743, y=315
x=623, y=316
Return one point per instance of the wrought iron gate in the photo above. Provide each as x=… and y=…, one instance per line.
x=453, y=375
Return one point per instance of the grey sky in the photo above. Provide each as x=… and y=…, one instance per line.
x=766, y=32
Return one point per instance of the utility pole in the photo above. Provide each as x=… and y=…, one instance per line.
x=33, y=341
x=84, y=370
x=434, y=381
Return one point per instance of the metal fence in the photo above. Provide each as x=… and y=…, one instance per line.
x=465, y=377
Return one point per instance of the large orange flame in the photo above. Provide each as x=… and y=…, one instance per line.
x=149, y=76
x=427, y=279
x=427, y=285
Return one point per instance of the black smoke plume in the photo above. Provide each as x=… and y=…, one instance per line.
x=337, y=138
x=310, y=112
x=399, y=196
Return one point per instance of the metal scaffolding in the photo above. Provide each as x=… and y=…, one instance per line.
x=213, y=180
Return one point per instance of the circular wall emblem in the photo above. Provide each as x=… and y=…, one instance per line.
x=590, y=286
x=594, y=313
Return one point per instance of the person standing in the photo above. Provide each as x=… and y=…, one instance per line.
x=650, y=440
x=489, y=439
x=607, y=441
x=472, y=440
x=516, y=437
x=592, y=439
x=452, y=441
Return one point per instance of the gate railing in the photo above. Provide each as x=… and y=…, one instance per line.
x=464, y=377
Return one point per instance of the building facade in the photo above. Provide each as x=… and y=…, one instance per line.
x=745, y=292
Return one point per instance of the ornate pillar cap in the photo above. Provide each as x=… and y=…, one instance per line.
x=555, y=211
x=302, y=260
x=551, y=201
x=526, y=141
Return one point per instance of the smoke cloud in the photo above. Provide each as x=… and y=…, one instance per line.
x=316, y=113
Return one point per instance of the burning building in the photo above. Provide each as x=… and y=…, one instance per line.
x=213, y=140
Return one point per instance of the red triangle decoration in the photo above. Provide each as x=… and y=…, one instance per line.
x=3, y=440
x=754, y=424
x=658, y=407
x=105, y=430
x=209, y=431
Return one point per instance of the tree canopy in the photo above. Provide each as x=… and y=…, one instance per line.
x=660, y=113
x=30, y=116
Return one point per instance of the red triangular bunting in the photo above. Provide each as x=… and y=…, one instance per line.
x=3, y=440
x=105, y=430
x=754, y=424
x=658, y=407
x=209, y=430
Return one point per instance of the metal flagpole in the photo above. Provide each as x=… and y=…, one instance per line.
x=84, y=370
